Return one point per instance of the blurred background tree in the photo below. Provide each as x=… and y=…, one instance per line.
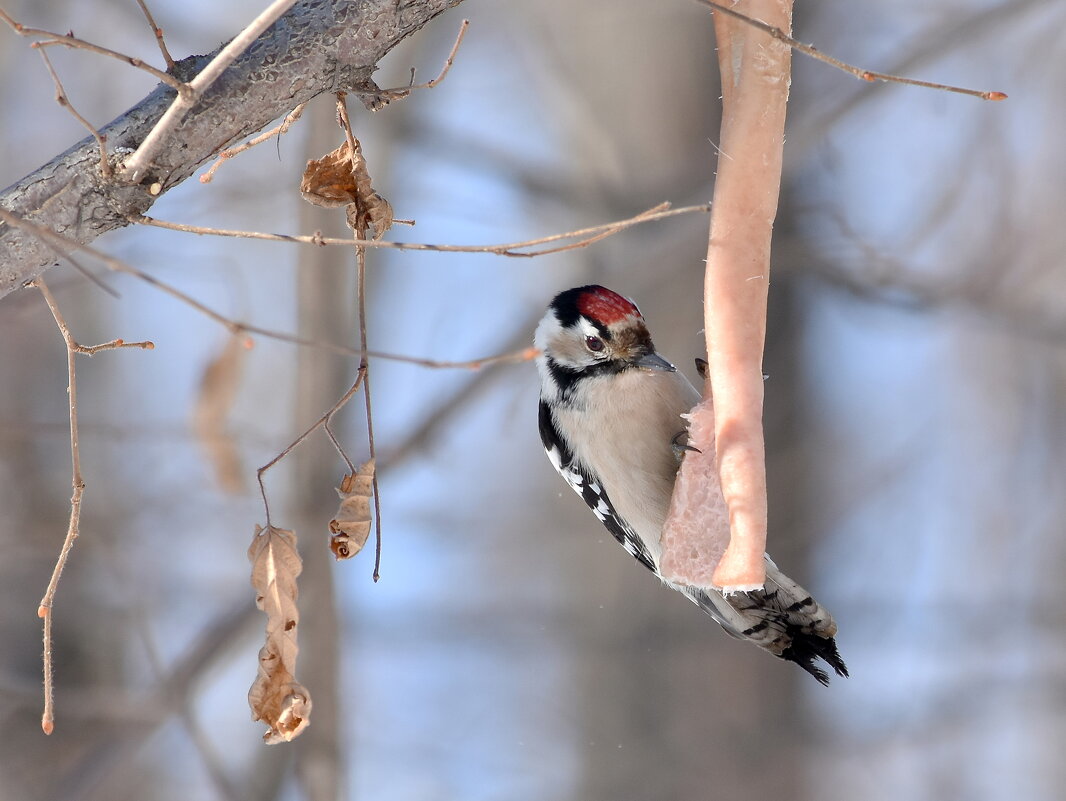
x=916, y=424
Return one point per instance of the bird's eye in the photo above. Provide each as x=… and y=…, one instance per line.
x=595, y=344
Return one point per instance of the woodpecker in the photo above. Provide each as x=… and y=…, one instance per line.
x=610, y=422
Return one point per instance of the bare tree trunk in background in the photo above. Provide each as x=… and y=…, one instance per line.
x=326, y=304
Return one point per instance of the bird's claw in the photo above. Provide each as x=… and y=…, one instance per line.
x=679, y=447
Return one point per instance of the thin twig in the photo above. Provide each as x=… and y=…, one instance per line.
x=64, y=101
x=364, y=365
x=158, y=33
x=949, y=34
x=230, y=152
x=346, y=124
x=48, y=718
x=361, y=290
x=585, y=236
x=138, y=163
x=418, y=433
x=858, y=72
x=60, y=243
x=511, y=357
x=44, y=609
x=337, y=444
x=49, y=38
x=321, y=421
x=404, y=91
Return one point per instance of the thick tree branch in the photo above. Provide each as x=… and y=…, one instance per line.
x=139, y=163
x=318, y=46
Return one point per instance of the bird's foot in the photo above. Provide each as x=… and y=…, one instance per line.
x=679, y=447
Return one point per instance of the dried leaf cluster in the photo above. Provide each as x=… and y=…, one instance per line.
x=276, y=698
x=341, y=178
x=351, y=526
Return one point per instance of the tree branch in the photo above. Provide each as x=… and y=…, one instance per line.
x=729, y=463
x=318, y=46
x=137, y=164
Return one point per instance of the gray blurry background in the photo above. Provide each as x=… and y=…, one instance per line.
x=916, y=421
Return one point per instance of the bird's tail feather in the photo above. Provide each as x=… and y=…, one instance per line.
x=781, y=618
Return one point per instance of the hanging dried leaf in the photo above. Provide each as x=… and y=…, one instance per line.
x=276, y=698
x=351, y=526
x=218, y=391
x=330, y=181
x=341, y=178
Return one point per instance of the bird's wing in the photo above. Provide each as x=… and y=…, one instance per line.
x=592, y=493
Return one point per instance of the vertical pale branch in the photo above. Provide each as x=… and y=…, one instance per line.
x=756, y=72
x=44, y=609
x=755, y=80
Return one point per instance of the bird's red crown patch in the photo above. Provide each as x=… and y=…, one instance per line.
x=601, y=304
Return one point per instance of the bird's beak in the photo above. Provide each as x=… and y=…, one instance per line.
x=653, y=361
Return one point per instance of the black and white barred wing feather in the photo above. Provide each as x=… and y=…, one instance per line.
x=580, y=480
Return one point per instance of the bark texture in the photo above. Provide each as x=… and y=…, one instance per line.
x=318, y=46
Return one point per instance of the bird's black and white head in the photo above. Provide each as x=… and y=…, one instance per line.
x=590, y=331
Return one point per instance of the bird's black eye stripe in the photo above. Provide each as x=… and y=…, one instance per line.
x=595, y=344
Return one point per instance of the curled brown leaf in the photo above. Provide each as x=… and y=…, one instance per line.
x=341, y=178
x=351, y=526
x=275, y=697
x=330, y=181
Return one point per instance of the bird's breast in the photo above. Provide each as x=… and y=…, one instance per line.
x=621, y=429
